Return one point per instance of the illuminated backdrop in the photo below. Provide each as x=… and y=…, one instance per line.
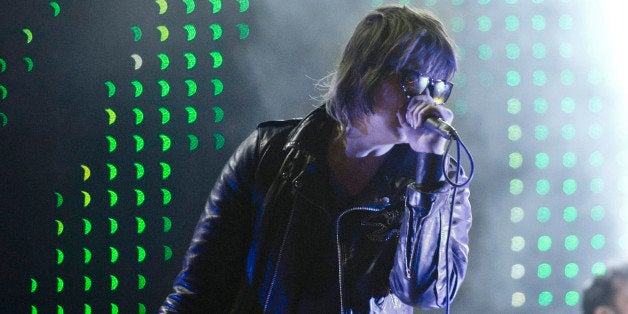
x=116, y=117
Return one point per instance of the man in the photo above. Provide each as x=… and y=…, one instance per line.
x=308, y=215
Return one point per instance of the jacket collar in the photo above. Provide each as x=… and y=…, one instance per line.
x=313, y=133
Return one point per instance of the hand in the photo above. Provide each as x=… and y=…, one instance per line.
x=412, y=118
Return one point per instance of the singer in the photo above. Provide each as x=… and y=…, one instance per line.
x=347, y=209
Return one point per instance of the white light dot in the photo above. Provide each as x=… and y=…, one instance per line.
x=517, y=271
x=518, y=299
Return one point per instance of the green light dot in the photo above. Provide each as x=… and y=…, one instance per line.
x=512, y=23
x=597, y=185
x=567, y=77
x=595, y=77
x=514, y=106
x=484, y=23
x=544, y=243
x=538, y=22
x=514, y=133
x=571, y=242
x=541, y=160
x=455, y=2
x=516, y=186
x=513, y=78
x=596, y=131
x=457, y=24
x=572, y=298
x=540, y=105
x=541, y=132
x=595, y=104
x=517, y=244
x=569, y=160
x=542, y=187
x=430, y=3
x=484, y=2
x=539, y=51
x=570, y=214
x=544, y=270
x=598, y=269
x=485, y=52
x=568, y=105
x=597, y=213
x=543, y=214
x=565, y=50
x=545, y=298
x=598, y=241
x=568, y=131
x=565, y=22
x=512, y=51
x=516, y=214
x=539, y=78
x=515, y=160
x=570, y=186
x=512, y=1
x=571, y=270
x=596, y=159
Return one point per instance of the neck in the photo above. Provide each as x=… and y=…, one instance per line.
x=360, y=145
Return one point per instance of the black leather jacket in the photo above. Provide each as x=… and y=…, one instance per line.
x=271, y=240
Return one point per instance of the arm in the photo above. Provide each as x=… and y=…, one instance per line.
x=214, y=265
x=419, y=273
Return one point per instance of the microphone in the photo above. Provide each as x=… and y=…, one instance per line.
x=441, y=127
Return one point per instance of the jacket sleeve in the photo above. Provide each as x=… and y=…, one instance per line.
x=422, y=258
x=214, y=265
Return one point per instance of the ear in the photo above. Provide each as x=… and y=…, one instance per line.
x=603, y=309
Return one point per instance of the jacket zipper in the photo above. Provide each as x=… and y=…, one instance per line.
x=339, y=249
x=280, y=254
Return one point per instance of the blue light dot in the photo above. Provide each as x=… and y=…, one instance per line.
x=570, y=186
x=596, y=159
x=544, y=243
x=512, y=51
x=543, y=214
x=598, y=241
x=567, y=77
x=598, y=269
x=512, y=23
x=541, y=160
x=457, y=24
x=485, y=52
x=539, y=51
x=565, y=22
x=540, y=105
x=565, y=50
x=486, y=79
x=597, y=185
x=595, y=104
x=568, y=105
x=513, y=78
x=484, y=23
x=539, y=78
x=538, y=22
x=597, y=213
x=571, y=242
x=596, y=131
x=595, y=77
x=542, y=187
x=569, y=160
x=541, y=132
x=460, y=107
x=568, y=131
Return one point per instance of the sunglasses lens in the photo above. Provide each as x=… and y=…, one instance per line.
x=440, y=91
x=416, y=85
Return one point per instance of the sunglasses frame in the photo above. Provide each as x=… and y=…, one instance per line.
x=430, y=85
